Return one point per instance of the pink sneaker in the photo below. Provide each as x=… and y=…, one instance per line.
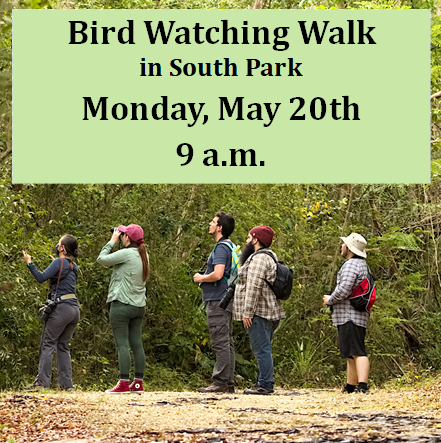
x=121, y=388
x=136, y=387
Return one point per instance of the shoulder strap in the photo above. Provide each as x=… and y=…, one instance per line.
x=367, y=266
x=275, y=261
x=267, y=253
x=59, y=276
x=223, y=243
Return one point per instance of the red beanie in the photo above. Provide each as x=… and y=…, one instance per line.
x=264, y=234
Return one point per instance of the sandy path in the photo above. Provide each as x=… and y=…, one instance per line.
x=301, y=415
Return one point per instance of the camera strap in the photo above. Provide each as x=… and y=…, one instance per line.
x=231, y=284
x=58, y=282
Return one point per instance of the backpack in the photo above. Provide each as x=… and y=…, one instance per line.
x=282, y=285
x=363, y=296
x=235, y=254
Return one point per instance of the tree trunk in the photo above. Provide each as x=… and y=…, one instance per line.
x=259, y=4
x=5, y=154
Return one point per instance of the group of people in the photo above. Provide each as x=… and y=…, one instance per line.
x=254, y=304
x=126, y=298
x=257, y=307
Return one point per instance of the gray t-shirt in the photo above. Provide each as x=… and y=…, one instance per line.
x=221, y=255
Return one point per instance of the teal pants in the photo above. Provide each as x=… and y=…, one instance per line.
x=126, y=321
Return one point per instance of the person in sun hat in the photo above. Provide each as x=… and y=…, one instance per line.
x=127, y=302
x=256, y=306
x=351, y=324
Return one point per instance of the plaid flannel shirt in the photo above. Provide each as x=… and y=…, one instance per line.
x=253, y=296
x=351, y=274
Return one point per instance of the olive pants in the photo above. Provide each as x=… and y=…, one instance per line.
x=126, y=322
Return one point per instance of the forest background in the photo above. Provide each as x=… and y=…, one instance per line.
x=401, y=222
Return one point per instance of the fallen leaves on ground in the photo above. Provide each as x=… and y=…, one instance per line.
x=406, y=415
x=36, y=417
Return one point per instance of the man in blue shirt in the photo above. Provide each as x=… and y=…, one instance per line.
x=214, y=284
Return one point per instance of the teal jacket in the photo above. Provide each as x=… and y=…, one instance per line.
x=126, y=284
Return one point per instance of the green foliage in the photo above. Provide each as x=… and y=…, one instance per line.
x=400, y=240
x=175, y=218
x=304, y=360
x=436, y=31
x=401, y=222
x=381, y=4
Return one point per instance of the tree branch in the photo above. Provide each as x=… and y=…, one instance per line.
x=430, y=219
x=5, y=154
x=438, y=94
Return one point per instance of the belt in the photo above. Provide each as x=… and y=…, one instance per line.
x=68, y=297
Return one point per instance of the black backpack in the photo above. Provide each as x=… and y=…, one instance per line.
x=282, y=285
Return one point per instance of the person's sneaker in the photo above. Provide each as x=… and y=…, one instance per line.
x=66, y=389
x=348, y=389
x=136, y=387
x=215, y=389
x=121, y=388
x=258, y=390
x=34, y=387
x=363, y=389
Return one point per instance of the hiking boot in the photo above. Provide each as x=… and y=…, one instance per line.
x=121, y=388
x=136, y=387
x=231, y=389
x=258, y=390
x=215, y=389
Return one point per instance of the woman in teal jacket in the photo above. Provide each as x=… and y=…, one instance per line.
x=127, y=302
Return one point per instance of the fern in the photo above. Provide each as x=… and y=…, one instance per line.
x=401, y=240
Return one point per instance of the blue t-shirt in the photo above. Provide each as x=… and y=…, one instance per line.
x=68, y=278
x=214, y=291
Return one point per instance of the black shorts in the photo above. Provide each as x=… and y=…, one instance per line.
x=351, y=340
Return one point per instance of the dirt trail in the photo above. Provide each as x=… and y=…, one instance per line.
x=411, y=415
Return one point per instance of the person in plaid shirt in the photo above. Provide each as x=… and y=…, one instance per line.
x=351, y=324
x=256, y=305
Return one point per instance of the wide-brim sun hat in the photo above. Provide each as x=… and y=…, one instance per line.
x=356, y=243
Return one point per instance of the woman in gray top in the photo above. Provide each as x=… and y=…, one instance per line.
x=127, y=302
